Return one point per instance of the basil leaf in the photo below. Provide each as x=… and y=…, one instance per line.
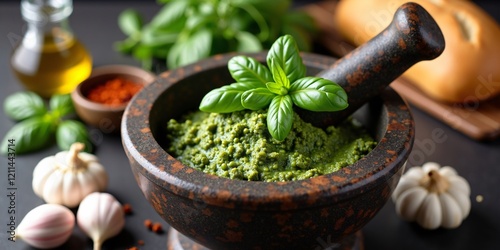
x=23, y=105
x=69, y=132
x=126, y=46
x=256, y=99
x=247, y=42
x=225, y=99
x=130, y=22
x=170, y=14
x=279, y=75
x=285, y=53
x=248, y=70
x=153, y=37
x=145, y=54
x=200, y=20
x=276, y=88
x=194, y=48
x=280, y=117
x=318, y=94
x=31, y=134
x=61, y=105
x=143, y=51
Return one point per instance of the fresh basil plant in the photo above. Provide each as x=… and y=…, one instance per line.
x=185, y=31
x=37, y=125
x=278, y=88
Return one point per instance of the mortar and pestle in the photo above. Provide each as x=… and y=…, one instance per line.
x=325, y=211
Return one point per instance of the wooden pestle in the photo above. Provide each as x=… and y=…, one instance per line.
x=412, y=36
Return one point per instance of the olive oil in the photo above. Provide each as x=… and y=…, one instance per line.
x=55, y=67
x=49, y=59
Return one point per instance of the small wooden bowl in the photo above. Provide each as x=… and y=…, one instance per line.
x=106, y=117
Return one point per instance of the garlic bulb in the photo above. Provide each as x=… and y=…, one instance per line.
x=69, y=176
x=46, y=226
x=433, y=196
x=101, y=217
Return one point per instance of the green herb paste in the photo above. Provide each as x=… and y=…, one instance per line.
x=239, y=146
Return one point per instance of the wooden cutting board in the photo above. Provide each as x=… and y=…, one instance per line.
x=479, y=121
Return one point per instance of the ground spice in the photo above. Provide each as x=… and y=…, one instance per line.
x=157, y=228
x=148, y=224
x=139, y=242
x=114, y=92
x=127, y=208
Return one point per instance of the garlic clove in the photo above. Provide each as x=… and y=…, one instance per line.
x=403, y=185
x=447, y=171
x=88, y=157
x=458, y=182
x=460, y=191
x=99, y=175
x=430, y=213
x=409, y=202
x=463, y=200
x=52, y=185
x=71, y=194
x=101, y=217
x=40, y=174
x=87, y=184
x=46, y=226
x=451, y=213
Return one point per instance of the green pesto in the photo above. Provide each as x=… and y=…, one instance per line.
x=238, y=146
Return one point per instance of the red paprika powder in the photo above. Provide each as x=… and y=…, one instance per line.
x=114, y=92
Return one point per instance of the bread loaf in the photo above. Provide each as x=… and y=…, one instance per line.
x=469, y=68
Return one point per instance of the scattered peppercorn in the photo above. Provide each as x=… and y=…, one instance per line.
x=127, y=208
x=140, y=242
x=157, y=228
x=114, y=92
x=148, y=224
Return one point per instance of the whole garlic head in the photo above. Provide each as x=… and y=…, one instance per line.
x=69, y=176
x=101, y=217
x=46, y=226
x=433, y=196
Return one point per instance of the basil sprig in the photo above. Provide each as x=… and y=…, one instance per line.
x=37, y=125
x=29, y=135
x=279, y=87
x=22, y=105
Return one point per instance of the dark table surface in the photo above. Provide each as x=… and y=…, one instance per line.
x=94, y=23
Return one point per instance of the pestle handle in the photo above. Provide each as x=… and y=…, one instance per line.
x=412, y=36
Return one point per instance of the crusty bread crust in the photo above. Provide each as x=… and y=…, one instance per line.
x=469, y=68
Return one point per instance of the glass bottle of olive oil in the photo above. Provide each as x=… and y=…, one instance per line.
x=49, y=59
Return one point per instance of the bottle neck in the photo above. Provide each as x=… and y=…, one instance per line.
x=48, y=24
x=46, y=11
